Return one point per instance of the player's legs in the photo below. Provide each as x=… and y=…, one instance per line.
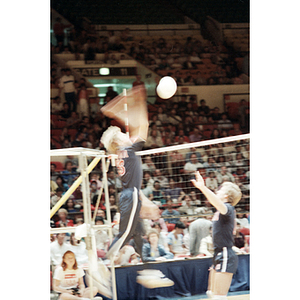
x=137, y=235
x=225, y=265
x=126, y=229
x=209, y=292
x=221, y=283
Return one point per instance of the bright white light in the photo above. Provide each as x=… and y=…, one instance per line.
x=104, y=71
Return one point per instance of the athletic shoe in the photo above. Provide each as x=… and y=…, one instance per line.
x=153, y=279
x=209, y=294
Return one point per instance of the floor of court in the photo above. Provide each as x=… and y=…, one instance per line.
x=245, y=295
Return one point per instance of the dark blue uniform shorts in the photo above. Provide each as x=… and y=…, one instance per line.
x=225, y=260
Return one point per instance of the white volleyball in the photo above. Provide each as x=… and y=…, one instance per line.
x=166, y=88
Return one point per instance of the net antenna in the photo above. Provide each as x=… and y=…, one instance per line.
x=126, y=112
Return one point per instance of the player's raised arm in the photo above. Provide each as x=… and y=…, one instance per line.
x=136, y=113
x=211, y=196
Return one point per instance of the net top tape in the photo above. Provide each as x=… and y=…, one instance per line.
x=194, y=145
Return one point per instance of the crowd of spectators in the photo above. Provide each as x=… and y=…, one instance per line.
x=181, y=57
x=78, y=122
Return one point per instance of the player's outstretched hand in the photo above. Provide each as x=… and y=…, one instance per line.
x=199, y=182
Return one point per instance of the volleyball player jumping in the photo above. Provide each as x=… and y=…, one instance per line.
x=129, y=165
x=225, y=260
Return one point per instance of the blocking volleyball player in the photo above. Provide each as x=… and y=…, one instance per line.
x=225, y=260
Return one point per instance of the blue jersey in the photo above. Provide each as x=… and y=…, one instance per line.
x=130, y=166
x=223, y=226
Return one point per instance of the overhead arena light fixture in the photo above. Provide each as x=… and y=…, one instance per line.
x=104, y=71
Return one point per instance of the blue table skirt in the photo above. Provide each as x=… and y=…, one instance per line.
x=190, y=277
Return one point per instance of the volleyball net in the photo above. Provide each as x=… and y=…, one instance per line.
x=167, y=172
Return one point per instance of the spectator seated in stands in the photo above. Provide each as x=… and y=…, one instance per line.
x=191, y=167
x=176, y=65
x=224, y=123
x=148, y=164
x=193, y=151
x=195, y=136
x=57, y=249
x=61, y=183
x=211, y=181
x=242, y=218
x=174, y=118
x=174, y=192
x=127, y=256
x=162, y=116
x=187, y=207
x=147, y=190
x=56, y=105
x=65, y=112
x=163, y=181
x=68, y=277
x=239, y=238
x=182, y=134
x=71, y=205
x=157, y=193
x=101, y=237
x=56, y=197
x=161, y=227
x=216, y=116
x=215, y=134
x=153, y=251
x=189, y=64
x=210, y=165
x=78, y=247
x=194, y=198
x=203, y=108
x=175, y=240
x=154, y=140
x=169, y=211
x=63, y=221
x=67, y=173
x=224, y=175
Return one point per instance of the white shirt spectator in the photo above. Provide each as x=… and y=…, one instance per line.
x=57, y=251
x=177, y=244
x=80, y=252
x=192, y=167
x=211, y=183
x=68, y=278
x=67, y=83
x=206, y=246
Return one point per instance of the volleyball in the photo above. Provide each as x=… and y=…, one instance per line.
x=166, y=88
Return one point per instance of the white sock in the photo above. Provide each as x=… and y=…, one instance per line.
x=209, y=293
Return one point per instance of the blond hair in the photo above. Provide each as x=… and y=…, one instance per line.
x=109, y=139
x=63, y=210
x=233, y=192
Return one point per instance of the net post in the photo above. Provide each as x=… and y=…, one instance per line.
x=86, y=211
x=108, y=216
